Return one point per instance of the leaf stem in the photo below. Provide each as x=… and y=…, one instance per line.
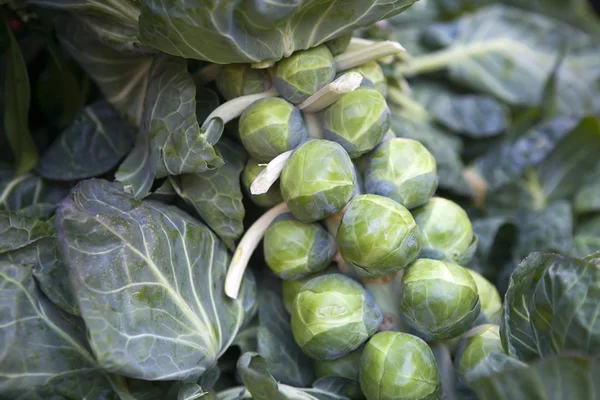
x=399, y=98
x=536, y=190
x=330, y=93
x=246, y=247
x=270, y=174
x=313, y=125
x=351, y=59
x=235, y=107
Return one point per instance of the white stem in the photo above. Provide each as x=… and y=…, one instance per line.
x=263, y=64
x=270, y=174
x=235, y=107
x=357, y=43
x=351, y=59
x=332, y=92
x=246, y=247
x=313, y=125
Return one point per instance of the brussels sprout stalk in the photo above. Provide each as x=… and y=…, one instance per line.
x=313, y=126
x=331, y=93
x=246, y=247
x=351, y=59
x=270, y=174
x=232, y=109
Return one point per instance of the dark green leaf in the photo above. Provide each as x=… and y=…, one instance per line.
x=255, y=374
x=43, y=352
x=553, y=378
x=169, y=141
x=217, y=195
x=28, y=191
x=162, y=269
x=551, y=306
x=242, y=31
x=16, y=106
x=587, y=198
x=497, y=239
x=587, y=237
x=94, y=144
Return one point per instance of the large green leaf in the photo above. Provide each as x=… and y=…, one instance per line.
x=217, y=195
x=587, y=237
x=553, y=378
x=92, y=145
x=242, y=31
x=509, y=53
x=551, y=307
x=113, y=22
x=497, y=239
x=16, y=105
x=43, y=352
x=169, y=141
x=587, y=198
x=149, y=280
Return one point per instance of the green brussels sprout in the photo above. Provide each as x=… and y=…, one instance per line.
x=377, y=236
x=294, y=249
x=446, y=228
x=300, y=75
x=346, y=367
x=289, y=289
x=235, y=80
x=438, y=298
x=271, y=126
x=272, y=197
x=358, y=121
x=399, y=366
x=373, y=76
x=318, y=180
x=474, y=349
x=403, y=170
x=491, y=302
x=332, y=316
x=339, y=45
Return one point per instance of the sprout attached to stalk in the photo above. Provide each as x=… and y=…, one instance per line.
x=373, y=76
x=332, y=316
x=377, y=236
x=439, y=299
x=251, y=171
x=474, y=350
x=491, y=302
x=235, y=80
x=290, y=289
x=294, y=249
x=271, y=126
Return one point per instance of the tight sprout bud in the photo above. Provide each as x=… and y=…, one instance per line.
x=373, y=76
x=346, y=367
x=318, y=180
x=474, y=349
x=377, y=236
x=294, y=249
x=491, y=302
x=446, y=228
x=332, y=316
x=439, y=299
x=271, y=126
x=403, y=170
x=267, y=200
x=303, y=73
x=339, y=44
x=235, y=80
x=290, y=289
x=358, y=121
x=399, y=366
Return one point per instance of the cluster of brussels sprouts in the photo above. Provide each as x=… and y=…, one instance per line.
x=351, y=193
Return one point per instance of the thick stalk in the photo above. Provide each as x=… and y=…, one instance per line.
x=351, y=59
x=270, y=174
x=443, y=359
x=246, y=247
x=330, y=93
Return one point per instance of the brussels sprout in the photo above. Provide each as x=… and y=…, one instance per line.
x=358, y=121
x=373, y=76
x=251, y=171
x=446, y=228
x=289, y=289
x=475, y=348
x=399, y=366
x=271, y=126
x=403, y=170
x=303, y=73
x=491, y=302
x=346, y=367
x=295, y=249
x=439, y=299
x=377, y=236
x=339, y=45
x=235, y=80
x=318, y=180
x=332, y=316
